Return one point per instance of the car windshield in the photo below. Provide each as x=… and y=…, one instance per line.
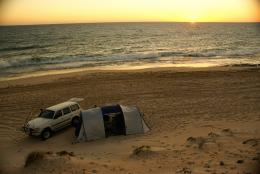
x=46, y=114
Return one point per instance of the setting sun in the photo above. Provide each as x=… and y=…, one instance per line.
x=193, y=19
x=80, y=11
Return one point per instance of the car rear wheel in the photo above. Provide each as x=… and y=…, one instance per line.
x=46, y=134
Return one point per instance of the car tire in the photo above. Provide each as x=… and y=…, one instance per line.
x=75, y=121
x=46, y=134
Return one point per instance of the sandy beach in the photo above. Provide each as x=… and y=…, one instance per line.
x=202, y=121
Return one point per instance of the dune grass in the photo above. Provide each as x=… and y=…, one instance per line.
x=141, y=150
x=33, y=157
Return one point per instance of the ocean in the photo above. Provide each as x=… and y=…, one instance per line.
x=43, y=48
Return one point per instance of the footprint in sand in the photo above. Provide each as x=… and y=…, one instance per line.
x=227, y=132
x=198, y=142
x=252, y=142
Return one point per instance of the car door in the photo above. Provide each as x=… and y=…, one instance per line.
x=67, y=114
x=57, y=120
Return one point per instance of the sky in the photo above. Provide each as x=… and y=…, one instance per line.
x=23, y=12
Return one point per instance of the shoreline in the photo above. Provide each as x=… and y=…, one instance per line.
x=137, y=66
x=48, y=76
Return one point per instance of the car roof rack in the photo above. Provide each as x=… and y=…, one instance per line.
x=76, y=99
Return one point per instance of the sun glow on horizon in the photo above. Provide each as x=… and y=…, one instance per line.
x=193, y=19
x=81, y=11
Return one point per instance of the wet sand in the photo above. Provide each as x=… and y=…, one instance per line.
x=202, y=121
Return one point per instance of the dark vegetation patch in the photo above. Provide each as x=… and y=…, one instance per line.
x=142, y=151
x=34, y=157
x=65, y=153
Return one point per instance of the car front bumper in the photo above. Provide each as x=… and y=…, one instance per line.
x=31, y=132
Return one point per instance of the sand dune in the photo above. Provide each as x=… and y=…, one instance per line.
x=202, y=122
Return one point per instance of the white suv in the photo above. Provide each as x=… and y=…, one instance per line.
x=53, y=119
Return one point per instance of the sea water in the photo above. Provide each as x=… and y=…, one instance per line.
x=42, y=48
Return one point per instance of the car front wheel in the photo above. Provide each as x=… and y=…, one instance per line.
x=46, y=133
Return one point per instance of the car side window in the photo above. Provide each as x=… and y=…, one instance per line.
x=74, y=107
x=66, y=110
x=58, y=114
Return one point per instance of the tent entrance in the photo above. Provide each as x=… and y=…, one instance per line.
x=114, y=122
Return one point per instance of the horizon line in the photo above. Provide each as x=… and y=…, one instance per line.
x=114, y=22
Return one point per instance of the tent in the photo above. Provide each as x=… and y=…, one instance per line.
x=101, y=122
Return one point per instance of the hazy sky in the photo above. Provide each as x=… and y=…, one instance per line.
x=77, y=11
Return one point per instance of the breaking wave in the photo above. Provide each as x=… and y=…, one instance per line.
x=97, y=59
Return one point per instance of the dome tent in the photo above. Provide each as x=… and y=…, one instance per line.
x=101, y=122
